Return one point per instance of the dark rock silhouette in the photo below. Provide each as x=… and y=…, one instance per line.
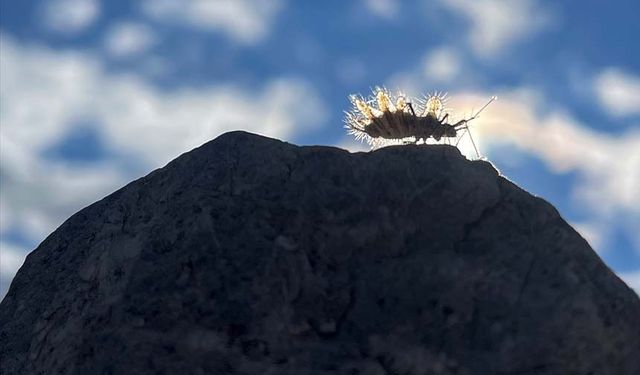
x=253, y=256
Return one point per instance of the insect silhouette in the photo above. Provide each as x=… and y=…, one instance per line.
x=395, y=120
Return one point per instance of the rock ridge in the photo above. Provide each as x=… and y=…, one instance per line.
x=249, y=255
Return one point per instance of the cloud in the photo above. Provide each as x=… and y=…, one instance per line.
x=45, y=95
x=618, y=92
x=70, y=16
x=245, y=21
x=498, y=24
x=38, y=194
x=442, y=64
x=130, y=109
x=442, y=68
x=382, y=8
x=608, y=165
x=127, y=39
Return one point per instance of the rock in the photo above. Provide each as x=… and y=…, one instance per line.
x=248, y=255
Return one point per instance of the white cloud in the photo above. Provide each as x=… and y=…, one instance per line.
x=70, y=16
x=608, y=165
x=382, y=8
x=129, y=39
x=442, y=64
x=44, y=93
x=38, y=194
x=632, y=279
x=245, y=21
x=137, y=119
x=618, y=92
x=498, y=24
x=441, y=69
x=129, y=109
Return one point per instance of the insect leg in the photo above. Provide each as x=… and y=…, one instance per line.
x=473, y=142
x=460, y=124
x=461, y=135
x=411, y=108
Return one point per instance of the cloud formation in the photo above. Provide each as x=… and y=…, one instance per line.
x=245, y=21
x=129, y=39
x=69, y=16
x=609, y=165
x=383, y=8
x=618, y=92
x=498, y=24
x=46, y=95
x=442, y=64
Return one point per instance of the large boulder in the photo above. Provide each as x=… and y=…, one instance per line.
x=249, y=255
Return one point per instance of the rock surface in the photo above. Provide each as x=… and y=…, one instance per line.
x=253, y=256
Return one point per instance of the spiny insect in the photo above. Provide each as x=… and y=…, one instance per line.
x=395, y=121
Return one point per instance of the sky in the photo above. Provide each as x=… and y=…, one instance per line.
x=94, y=94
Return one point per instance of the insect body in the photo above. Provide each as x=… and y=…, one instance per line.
x=396, y=121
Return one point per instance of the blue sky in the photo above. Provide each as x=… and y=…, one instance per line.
x=97, y=93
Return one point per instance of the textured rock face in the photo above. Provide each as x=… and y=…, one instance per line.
x=253, y=256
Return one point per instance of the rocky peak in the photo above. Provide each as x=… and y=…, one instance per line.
x=249, y=255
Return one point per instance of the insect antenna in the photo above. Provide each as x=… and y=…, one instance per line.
x=464, y=125
x=475, y=116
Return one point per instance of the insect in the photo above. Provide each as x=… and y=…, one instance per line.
x=395, y=120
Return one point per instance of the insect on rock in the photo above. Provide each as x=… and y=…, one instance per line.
x=395, y=120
